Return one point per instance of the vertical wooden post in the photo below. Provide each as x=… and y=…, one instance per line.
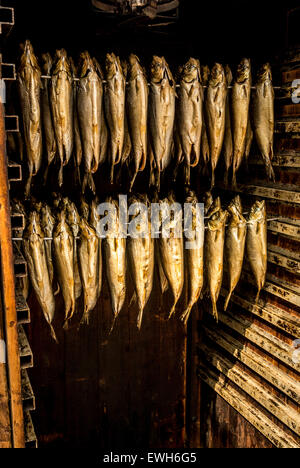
x=5, y=428
x=9, y=304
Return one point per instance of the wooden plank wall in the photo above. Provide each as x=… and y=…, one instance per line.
x=118, y=390
x=251, y=393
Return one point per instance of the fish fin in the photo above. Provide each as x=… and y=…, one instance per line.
x=113, y=324
x=53, y=334
x=132, y=300
x=227, y=300
x=143, y=162
x=172, y=311
x=140, y=318
x=28, y=184
x=186, y=314
x=60, y=174
x=57, y=290
x=196, y=160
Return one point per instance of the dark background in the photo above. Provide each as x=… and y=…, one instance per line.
x=210, y=30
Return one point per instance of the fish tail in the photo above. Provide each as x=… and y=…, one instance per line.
x=257, y=295
x=215, y=310
x=212, y=178
x=132, y=181
x=57, y=289
x=113, y=324
x=186, y=314
x=172, y=311
x=60, y=174
x=112, y=174
x=140, y=318
x=270, y=172
x=227, y=300
x=85, y=319
x=53, y=334
x=91, y=183
x=234, y=179
x=28, y=184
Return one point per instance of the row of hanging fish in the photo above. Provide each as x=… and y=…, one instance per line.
x=116, y=117
x=66, y=252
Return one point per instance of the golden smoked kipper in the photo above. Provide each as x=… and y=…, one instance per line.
x=35, y=254
x=205, y=72
x=64, y=263
x=161, y=115
x=48, y=129
x=257, y=243
x=137, y=114
x=114, y=251
x=62, y=100
x=189, y=114
x=114, y=98
x=47, y=224
x=228, y=142
x=214, y=252
x=263, y=116
x=91, y=118
x=234, y=245
x=29, y=86
x=140, y=250
x=193, y=257
x=215, y=107
x=73, y=220
x=170, y=247
x=240, y=101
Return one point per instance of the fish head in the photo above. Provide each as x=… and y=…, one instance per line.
x=94, y=215
x=243, y=72
x=112, y=66
x=191, y=71
x=98, y=67
x=217, y=75
x=258, y=211
x=47, y=63
x=157, y=69
x=264, y=73
x=215, y=207
x=205, y=73
x=62, y=62
x=125, y=66
x=86, y=64
x=228, y=74
x=208, y=201
x=28, y=58
x=33, y=225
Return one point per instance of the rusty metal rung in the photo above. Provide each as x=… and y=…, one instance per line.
x=30, y=436
x=17, y=221
x=7, y=18
x=27, y=392
x=23, y=311
x=20, y=264
x=14, y=172
x=26, y=357
x=12, y=123
x=8, y=71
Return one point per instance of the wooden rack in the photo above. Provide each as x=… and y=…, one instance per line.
x=13, y=265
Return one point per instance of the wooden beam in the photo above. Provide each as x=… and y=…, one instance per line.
x=27, y=392
x=265, y=192
x=26, y=356
x=276, y=407
x=288, y=126
x=287, y=263
x=248, y=410
x=274, y=375
x=5, y=426
x=270, y=313
x=288, y=229
x=279, y=290
x=8, y=294
x=30, y=436
x=270, y=343
x=280, y=160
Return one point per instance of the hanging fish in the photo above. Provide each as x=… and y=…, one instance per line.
x=114, y=98
x=249, y=140
x=35, y=254
x=263, y=116
x=214, y=252
x=205, y=72
x=228, y=142
x=64, y=262
x=88, y=250
x=193, y=256
x=29, y=86
x=90, y=115
x=114, y=250
x=94, y=222
x=170, y=247
x=47, y=224
x=161, y=114
x=257, y=243
x=140, y=250
x=73, y=220
x=189, y=114
x=234, y=245
x=77, y=149
x=50, y=141
x=215, y=114
x=61, y=98
x=137, y=113
x=240, y=100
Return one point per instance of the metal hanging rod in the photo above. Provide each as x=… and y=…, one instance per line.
x=48, y=77
x=160, y=232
